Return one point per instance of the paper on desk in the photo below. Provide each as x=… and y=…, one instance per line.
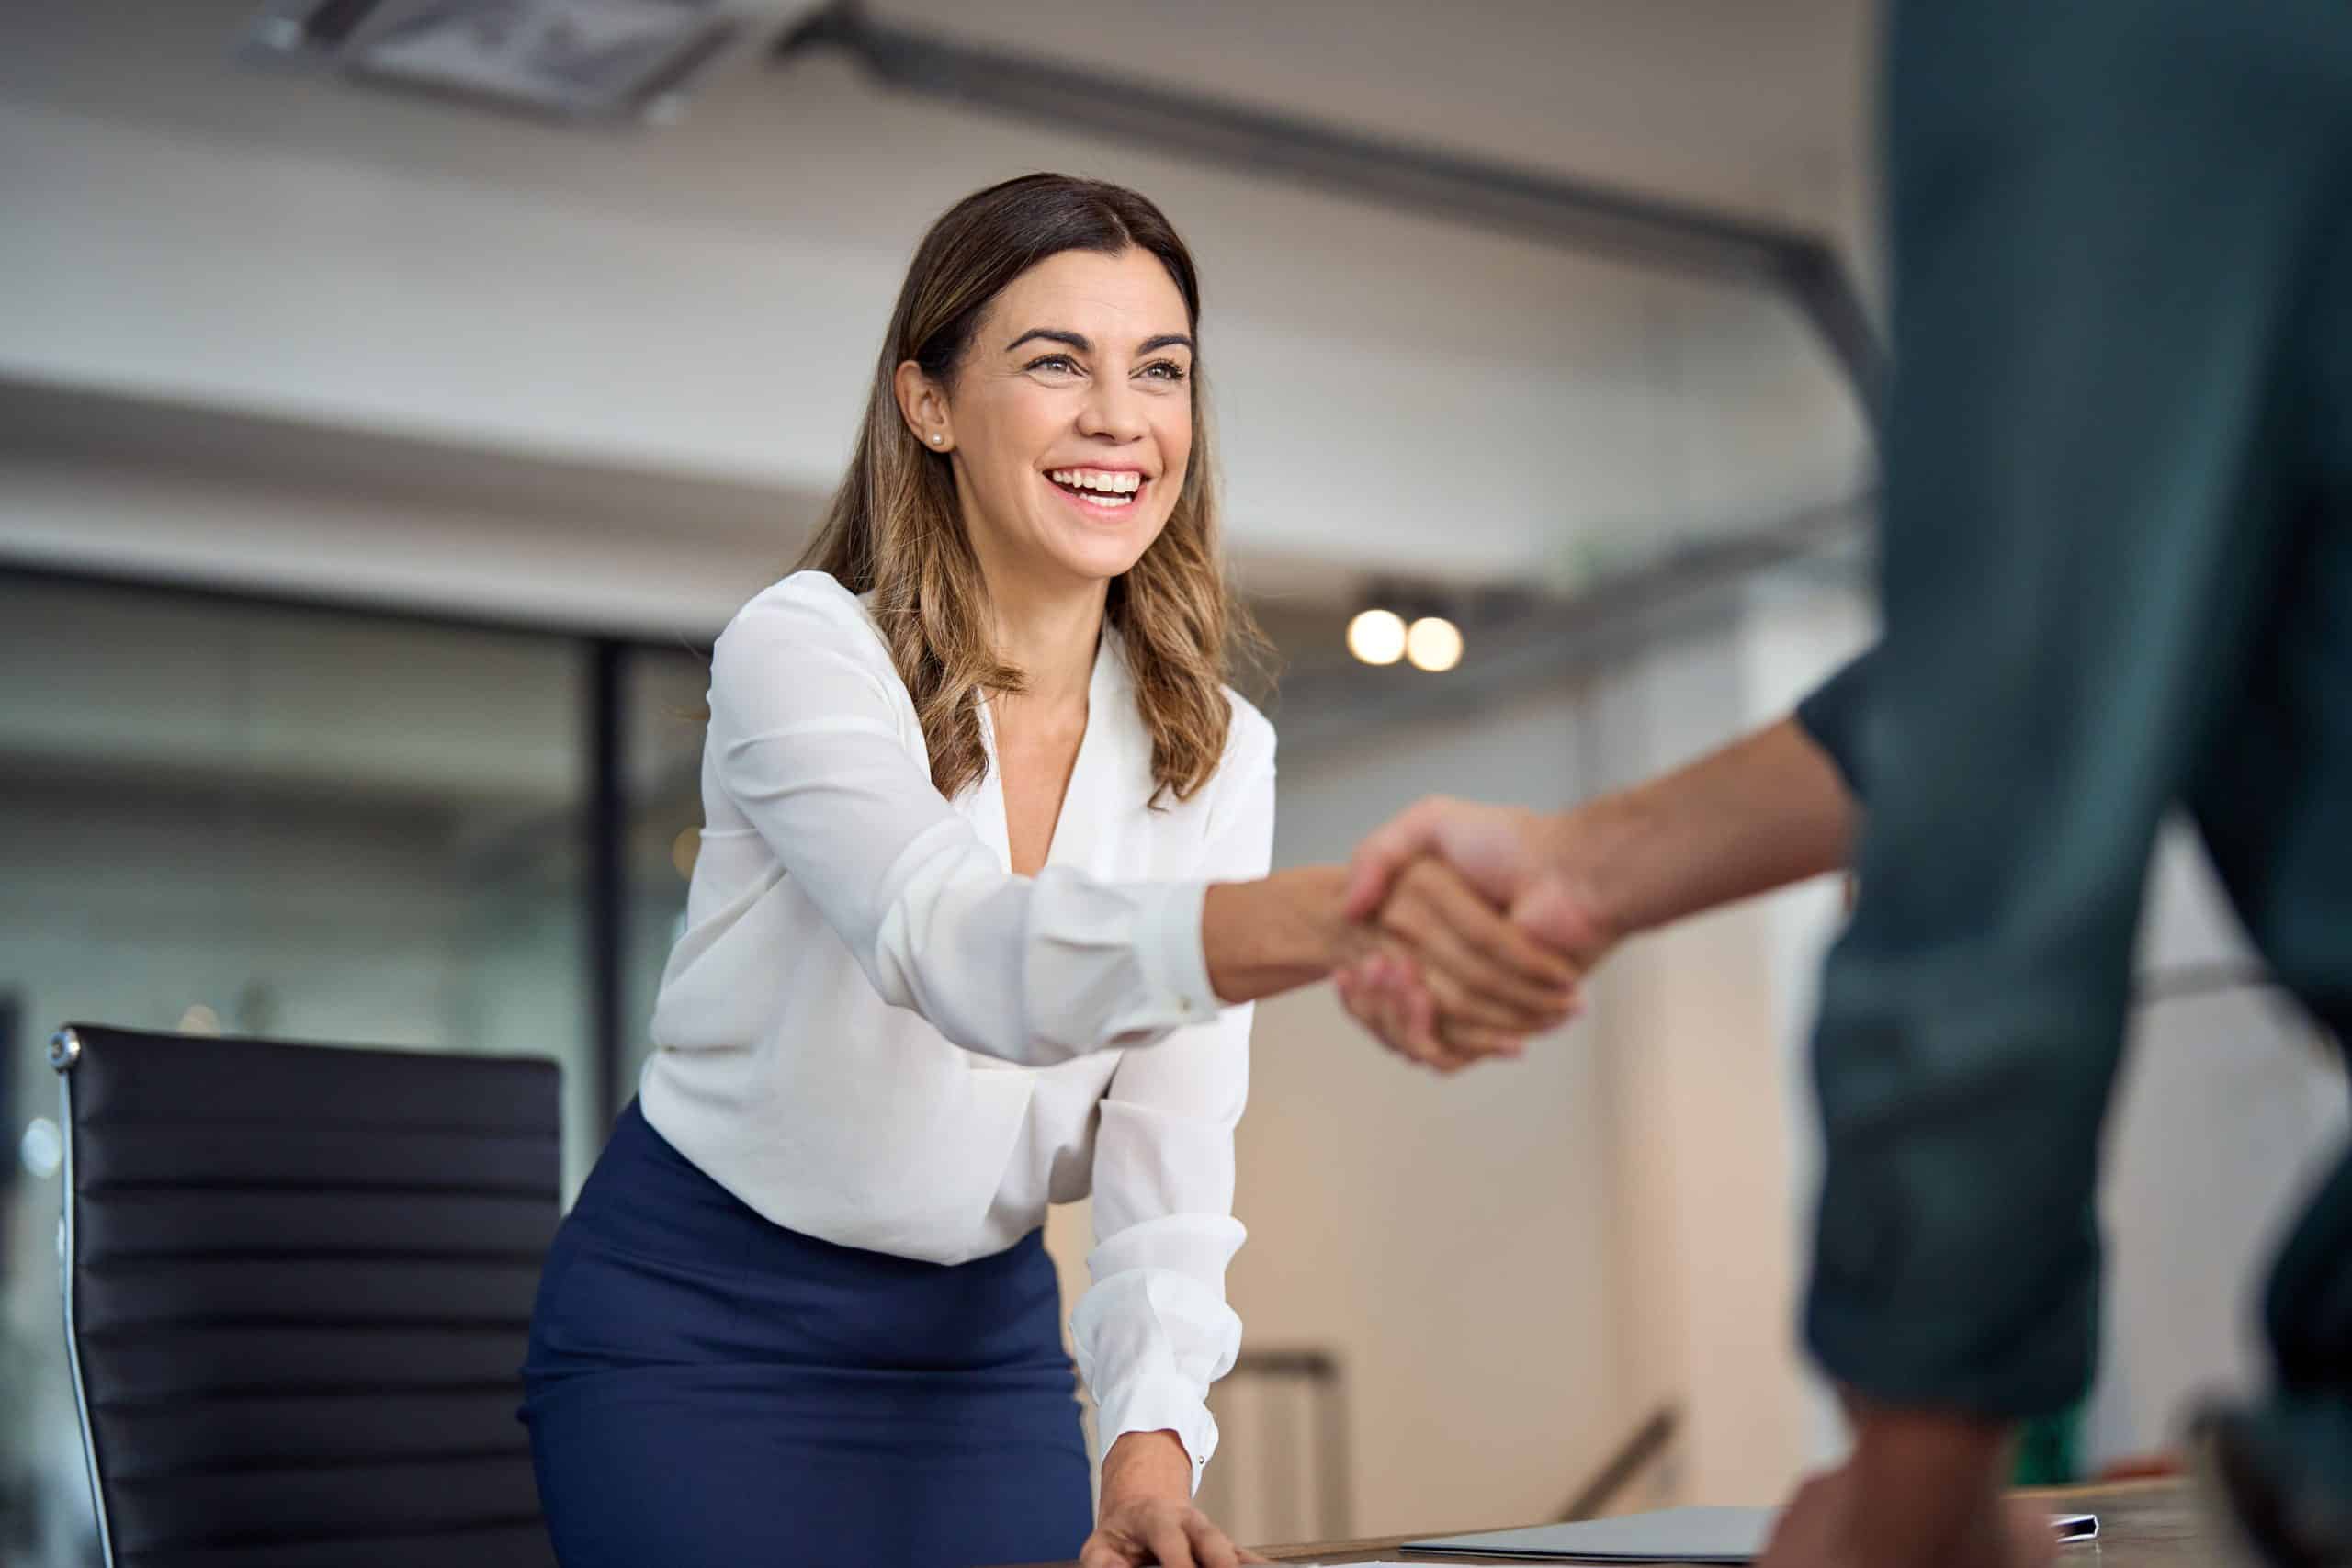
x=1674, y=1535
x=2070, y=1526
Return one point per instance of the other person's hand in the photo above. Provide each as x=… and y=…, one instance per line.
x=1523, y=862
x=1920, y=1490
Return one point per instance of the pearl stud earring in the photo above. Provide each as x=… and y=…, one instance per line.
x=936, y=439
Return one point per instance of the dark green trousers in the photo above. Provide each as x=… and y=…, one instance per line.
x=2117, y=573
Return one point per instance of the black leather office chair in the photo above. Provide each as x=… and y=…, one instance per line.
x=297, y=1284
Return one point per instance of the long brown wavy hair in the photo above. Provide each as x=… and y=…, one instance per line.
x=895, y=530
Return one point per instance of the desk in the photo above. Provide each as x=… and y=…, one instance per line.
x=2148, y=1524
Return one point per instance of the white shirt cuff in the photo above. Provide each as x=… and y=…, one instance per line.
x=1176, y=964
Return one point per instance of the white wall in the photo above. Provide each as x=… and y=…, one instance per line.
x=1523, y=1263
x=666, y=575
x=2229, y=1109
x=1701, y=1127
x=1441, y=1235
x=1797, y=630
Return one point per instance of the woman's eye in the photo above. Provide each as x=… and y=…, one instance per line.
x=1059, y=363
x=1164, y=370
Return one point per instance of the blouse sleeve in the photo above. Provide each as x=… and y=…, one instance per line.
x=806, y=741
x=1155, y=1331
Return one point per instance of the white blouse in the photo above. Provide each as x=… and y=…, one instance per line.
x=873, y=1033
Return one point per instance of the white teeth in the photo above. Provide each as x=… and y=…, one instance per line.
x=1103, y=482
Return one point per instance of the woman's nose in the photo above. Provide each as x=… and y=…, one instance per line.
x=1114, y=411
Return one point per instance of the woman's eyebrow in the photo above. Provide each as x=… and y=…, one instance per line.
x=1085, y=345
x=1077, y=340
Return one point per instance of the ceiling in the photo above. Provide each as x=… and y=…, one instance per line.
x=1398, y=396
x=1758, y=110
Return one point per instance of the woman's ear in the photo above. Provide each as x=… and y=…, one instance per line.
x=923, y=405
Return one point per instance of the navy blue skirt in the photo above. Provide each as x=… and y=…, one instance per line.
x=707, y=1389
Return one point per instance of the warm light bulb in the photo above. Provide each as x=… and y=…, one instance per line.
x=1377, y=637
x=1434, y=644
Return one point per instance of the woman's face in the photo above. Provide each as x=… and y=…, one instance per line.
x=1070, y=420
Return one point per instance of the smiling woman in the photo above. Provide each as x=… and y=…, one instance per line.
x=1085, y=380
x=983, y=879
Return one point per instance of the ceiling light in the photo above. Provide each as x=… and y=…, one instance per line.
x=1434, y=644
x=1377, y=637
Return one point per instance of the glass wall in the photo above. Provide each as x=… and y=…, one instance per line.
x=224, y=817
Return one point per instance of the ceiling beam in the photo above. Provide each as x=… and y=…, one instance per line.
x=1804, y=269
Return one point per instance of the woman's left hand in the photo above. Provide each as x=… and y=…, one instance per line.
x=1147, y=1514
x=1166, y=1531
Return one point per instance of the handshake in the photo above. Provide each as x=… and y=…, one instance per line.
x=1459, y=930
x=1467, y=928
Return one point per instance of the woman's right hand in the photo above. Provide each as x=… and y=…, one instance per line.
x=1446, y=979
x=1479, y=983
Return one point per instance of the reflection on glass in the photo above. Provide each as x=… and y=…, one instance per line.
x=223, y=817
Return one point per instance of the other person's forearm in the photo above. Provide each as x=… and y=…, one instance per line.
x=1926, y=1485
x=1759, y=814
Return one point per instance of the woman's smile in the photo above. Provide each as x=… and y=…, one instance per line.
x=1100, y=494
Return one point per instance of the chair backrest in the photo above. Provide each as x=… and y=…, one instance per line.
x=297, y=1288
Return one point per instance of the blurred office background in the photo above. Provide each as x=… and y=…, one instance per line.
x=375, y=466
